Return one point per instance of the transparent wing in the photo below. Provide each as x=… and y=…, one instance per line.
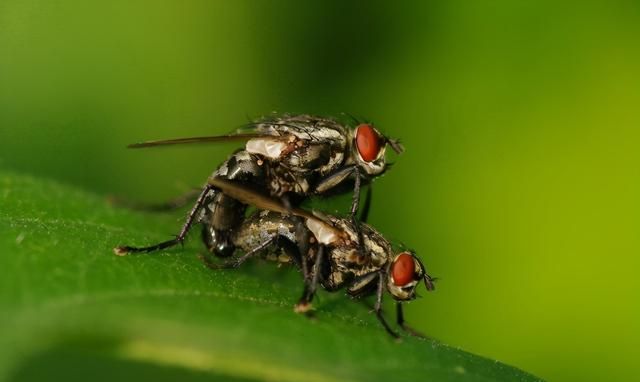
x=207, y=139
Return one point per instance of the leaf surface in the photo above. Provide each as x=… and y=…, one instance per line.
x=69, y=307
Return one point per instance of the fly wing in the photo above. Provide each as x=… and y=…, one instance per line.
x=210, y=139
x=324, y=232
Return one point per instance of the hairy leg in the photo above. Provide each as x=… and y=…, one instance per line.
x=123, y=250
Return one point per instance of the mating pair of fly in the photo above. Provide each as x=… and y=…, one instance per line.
x=287, y=159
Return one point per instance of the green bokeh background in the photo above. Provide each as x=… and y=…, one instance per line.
x=520, y=184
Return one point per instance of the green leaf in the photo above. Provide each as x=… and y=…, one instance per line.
x=71, y=308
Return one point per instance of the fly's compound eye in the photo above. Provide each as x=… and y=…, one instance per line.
x=403, y=270
x=367, y=142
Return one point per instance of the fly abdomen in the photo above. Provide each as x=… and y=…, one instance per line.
x=280, y=238
x=222, y=214
x=261, y=227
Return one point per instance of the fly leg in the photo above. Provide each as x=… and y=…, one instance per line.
x=378, y=307
x=303, y=236
x=168, y=206
x=311, y=284
x=334, y=179
x=364, y=215
x=123, y=250
x=235, y=263
x=355, y=204
x=403, y=324
x=337, y=178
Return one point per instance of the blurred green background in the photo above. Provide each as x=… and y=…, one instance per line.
x=520, y=184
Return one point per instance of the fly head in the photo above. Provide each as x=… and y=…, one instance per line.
x=369, y=146
x=405, y=272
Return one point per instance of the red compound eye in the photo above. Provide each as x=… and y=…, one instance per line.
x=403, y=269
x=367, y=142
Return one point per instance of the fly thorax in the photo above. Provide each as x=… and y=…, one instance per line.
x=378, y=252
x=283, y=181
x=346, y=226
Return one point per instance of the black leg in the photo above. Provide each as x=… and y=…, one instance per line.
x=121, y=251
x=302, y=236
x=403, y=324
x=311, y=285
x=354, y=210
x=292, y=250
x=364, y=215
x=335, y=179
x=315, y=276
x=170, y=205
x=332, y=180
x=235, y=263
x=378, y=307
x=355, y=203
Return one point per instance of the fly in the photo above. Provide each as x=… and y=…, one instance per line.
x=327, y=250
x=289, y=157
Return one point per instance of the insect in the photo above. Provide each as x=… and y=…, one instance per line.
x=326, y=249
x=289, y=156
